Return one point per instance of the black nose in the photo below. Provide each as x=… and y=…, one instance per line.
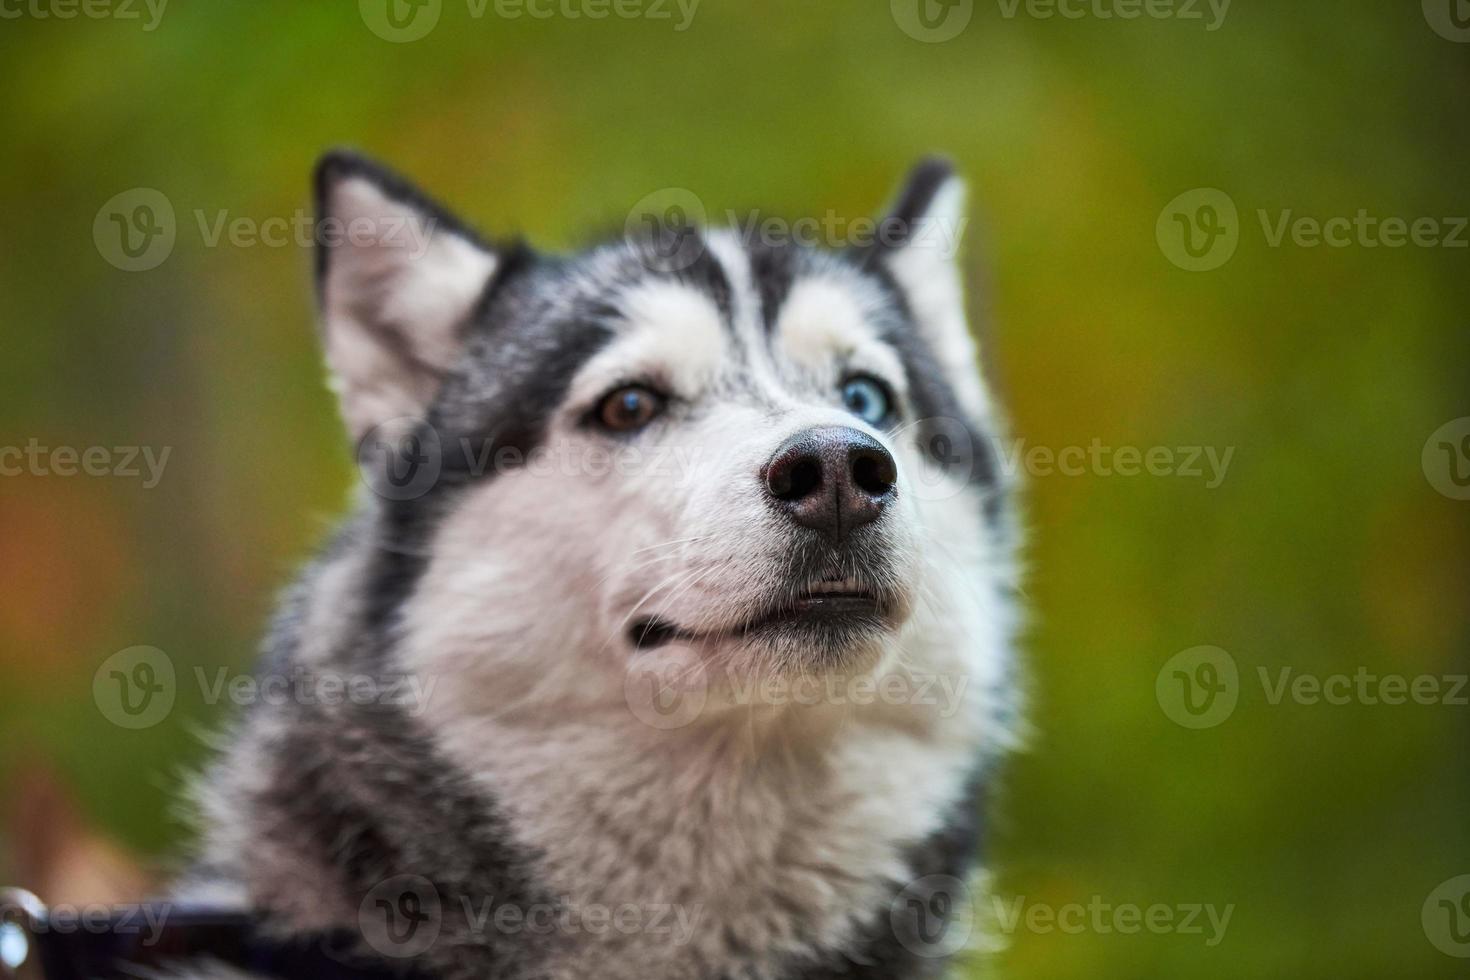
x=832, y=478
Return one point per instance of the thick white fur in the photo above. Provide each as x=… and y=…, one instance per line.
x=771, y=824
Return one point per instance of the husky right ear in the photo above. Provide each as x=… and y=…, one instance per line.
x=397, y=277
x=919, y=244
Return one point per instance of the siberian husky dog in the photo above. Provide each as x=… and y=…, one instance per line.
x=668, y=638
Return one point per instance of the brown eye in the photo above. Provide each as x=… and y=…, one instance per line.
x=629, y=408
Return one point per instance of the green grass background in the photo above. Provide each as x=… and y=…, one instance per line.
x=1326, y=369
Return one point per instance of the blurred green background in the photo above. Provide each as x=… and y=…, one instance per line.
x=1326, y=548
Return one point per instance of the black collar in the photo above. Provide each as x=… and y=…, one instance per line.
x=126, y=942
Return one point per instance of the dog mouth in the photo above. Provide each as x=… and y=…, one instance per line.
x=820, y=610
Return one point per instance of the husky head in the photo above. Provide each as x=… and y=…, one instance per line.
x=716, y=450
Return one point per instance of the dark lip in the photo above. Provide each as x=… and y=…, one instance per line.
x=824, y=604
x=859, y=607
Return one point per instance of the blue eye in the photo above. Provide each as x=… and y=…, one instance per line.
x=866, y=398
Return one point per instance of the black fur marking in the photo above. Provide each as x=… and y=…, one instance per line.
x=913, y=204
x=707, y=275
x=932, y=396
x=773, y=270
x=367, y=795
x=403, y=532
x=678, y=250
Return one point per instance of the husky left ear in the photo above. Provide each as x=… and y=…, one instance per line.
x=919, y=244
x=397, y=278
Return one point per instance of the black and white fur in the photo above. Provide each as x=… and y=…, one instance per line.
x=788, y=829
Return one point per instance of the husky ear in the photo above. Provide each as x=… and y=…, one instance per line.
x=396, y=276
x=919, y=244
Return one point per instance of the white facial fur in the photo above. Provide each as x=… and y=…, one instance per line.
x=772, y=822
x=535, y=577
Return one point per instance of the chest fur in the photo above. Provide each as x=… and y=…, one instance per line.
x=741, y=845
